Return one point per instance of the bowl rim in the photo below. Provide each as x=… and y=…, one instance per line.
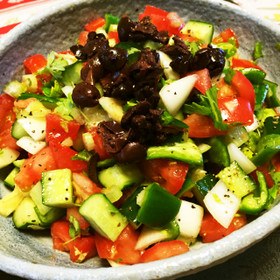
x=189, y=263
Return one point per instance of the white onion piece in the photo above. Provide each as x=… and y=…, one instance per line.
x=252, y=126
x=167, y=69
x=237, y=155
x=30, y=145
x=175, y=94
x=222, y=203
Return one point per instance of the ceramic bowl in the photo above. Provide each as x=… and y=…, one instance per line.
x=30, y=254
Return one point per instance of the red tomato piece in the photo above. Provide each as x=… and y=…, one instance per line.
x=35, y=63
x=31, y=171
x=74, y=211
x=236, y=110
x=63, y=158
x=84, y=187
x=92, y=26
x=225, y=36
x=42, y=79
x=175, y=23
x=60, y=236
x=204, y=80
x=114, y=35
x=160, y=22
x=99, y=145
x=60, y=129
x=201, y=126
x=122, y=250
x=165, y=250
x=225, y=90
x=83, y=38
x=151, y=10
x=211, y=230
x=244, y=87
x=169, y=174
x=243, y=63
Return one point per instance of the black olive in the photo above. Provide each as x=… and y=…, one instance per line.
x=131, y=152
x=85, y=95
x=125, y=27
x=202, y=59
x=113, y=59
x=92, y=168
x=182, y=63
x=92, y=71
x=78, y=51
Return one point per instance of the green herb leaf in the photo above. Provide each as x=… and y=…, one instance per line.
x=83, y=155
x=55, y=65
x=54, y=90
x=74, y=229
x=168, y=119
x=229, y=75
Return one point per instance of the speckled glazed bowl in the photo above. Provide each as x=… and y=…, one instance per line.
x=30, y=254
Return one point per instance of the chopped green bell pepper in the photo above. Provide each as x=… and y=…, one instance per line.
x=272, y=125
x=252, y=204
x=272, y=98
x=261, y=93
x=110, y=19
x=254, y=75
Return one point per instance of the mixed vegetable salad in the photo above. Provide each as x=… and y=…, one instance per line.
x=142, y=139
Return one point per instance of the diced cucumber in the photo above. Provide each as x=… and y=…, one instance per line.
x=237, y=180
x=9, y=180
x=184, y=151
x=57, y=189
x=18, y=163
x=103, y=216
x=11, y=201
x=14, y=88
x=30, y=145
x=30, y=82
x=149, y=236
x=200, y=30
x=222, y=203
x=35, y=127
x=8, y=156
x=120, y=176
x=53, y=215
x=18, y=131
x=25, y=216
x=189, y=219
x=72, y=74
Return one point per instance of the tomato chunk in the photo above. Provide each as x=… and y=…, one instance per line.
x=168, y=173
x=204, y=80
x=211, y=230
x=244, y=63
x=92, y=26
x=165, y=250
x=122, y=250
x=74, y=211
x=35, y=63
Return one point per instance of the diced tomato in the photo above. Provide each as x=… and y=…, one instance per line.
x=244, y=87
x=169, y=174
x=81, y=248
x=63, y=158
x=204, y=80
x=114, y=35
x=201, y=126
x=188, y=37
x=225, y=90
x=42, y=79
x=151, y=10
x=122, y=250
x=31, y=171
x=243, y=63
x=35, y=63
x=83, y=38
x=176, y=23
x=236, y=110
x=84, y=187
x=161, y=22
x=92, y=26
x=211, y=230
x=60, y=129
x=225, y=36
x=7, y=118
x=74, y=212
x=99, y=145
x=165, y=250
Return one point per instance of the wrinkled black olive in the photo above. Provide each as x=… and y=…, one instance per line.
x=131, y=152
x=85, y=95
x=92, y=71
x=92, y=168
x=122, y=88
x=124, y=28
x=113, y=59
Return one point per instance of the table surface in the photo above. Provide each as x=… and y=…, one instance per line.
x=260, y=262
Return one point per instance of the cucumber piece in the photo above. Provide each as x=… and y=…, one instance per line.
x=201, y=30
x=57, y=189
x=9, y=180
x=103, y=216
x=72, y=74
x=18, y=163
x=184, y=151
x=35, y=127
x=14, y=88
x=25, y=216
x=120, y=176
x=53, y=215
x=30, y=145
x=237, y=180
x=18, y=131
x=8, y=156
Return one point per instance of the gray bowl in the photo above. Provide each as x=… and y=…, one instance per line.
x=30, y=254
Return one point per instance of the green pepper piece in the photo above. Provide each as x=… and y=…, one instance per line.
x=188, y=184
x=253, y=205
x=254, y=75
x=268, y=146
x=205, y=184
x=272, y=98
x=158, y=206
x=258, y=50
x=272, y=125
x=130, y=208
x=110, y=19
x=261, y=93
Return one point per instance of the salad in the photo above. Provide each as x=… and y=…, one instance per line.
x=142, y=139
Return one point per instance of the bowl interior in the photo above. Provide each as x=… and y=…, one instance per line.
x=30, y=254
